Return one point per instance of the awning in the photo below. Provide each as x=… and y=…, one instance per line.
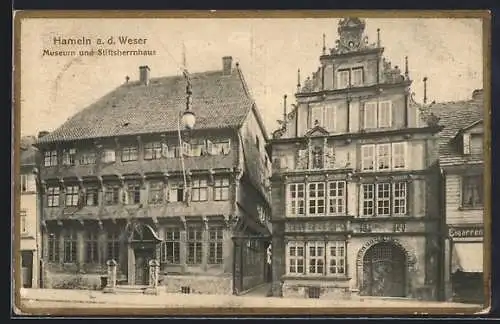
x=467, y=257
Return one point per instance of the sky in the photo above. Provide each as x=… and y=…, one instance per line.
x=269, y=51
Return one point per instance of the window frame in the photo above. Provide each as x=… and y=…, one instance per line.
x=153, y=150
x=317, y=198
x=28, y=183
x=53, y=196
x=215, y=245
x=380, y=201
x=388, y=122
x=194, y=245
x=296, y=203
x=352, y=73
x=91, y=248
x=23, y=217
x=342, y=73
x=403, y=199
x=72, y=196
x=69, y=157
x=171, y=245
x=199, y=189
x=387, y=158
x=70, y=246
x=94, y=192
x=156, y=192
x=373, y=122
x=87, y=158
x=335, y=261
x=129, y=153
x=114, y=192
x=403, y=156
x=173, y=191
x=221, y=189
x=319, y=263
x=50, y=158
x=109, y=156
x=113, y=245
x=337, y=198
x=476, y=183
x=368, y=197
x=293, y=261
x=53, y=247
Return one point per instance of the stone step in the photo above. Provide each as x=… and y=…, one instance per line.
x=130, y=289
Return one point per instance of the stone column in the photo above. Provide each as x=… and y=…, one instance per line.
x=111, y=284
x=154, y=270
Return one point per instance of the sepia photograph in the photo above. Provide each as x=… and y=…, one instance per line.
x=251, y=163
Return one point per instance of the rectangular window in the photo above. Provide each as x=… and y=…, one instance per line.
x=129, y=154
x=476, y=144
x=176, y=192
x=215, y=245
x=156, y=192
x=383, y=157
x=219, y=147
x=316, y=257
x=221, y=189
x=342, y=79
x=92, y=197
x=53, y=246
x=296, y=257
x=368, y=199
x=357, y=77
x=68, y=157
x=199, y=190
x=316, y=198
x=87, y=158
x=399, y=155
x=330, y=118
x=198, y=148
x=112, y=195
x=23, y=216
x=316, y=115
x=194, y=245
x=385, y=114
x=336, y=258
x=296, y=199
x=72, y=194
x=370, y=120
x=28, y=183
x=91, y=248
x=50, y=158
x=113, y=246
x=53, y=196
x=171, y=247
x=108, y=156
x=472, y=195
x=152, y=151
x=70, y=246
x=368, y=157
x=336, y=198
x=383, y=199
x=399, y=198
x=133, y=194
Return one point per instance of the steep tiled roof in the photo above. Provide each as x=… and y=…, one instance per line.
x=456, y=116
x=218, y=100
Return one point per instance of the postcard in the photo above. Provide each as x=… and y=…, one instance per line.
x=308, y=162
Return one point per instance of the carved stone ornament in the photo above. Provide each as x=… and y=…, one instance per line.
x=351, y=36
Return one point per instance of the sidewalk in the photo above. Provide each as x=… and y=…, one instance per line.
x=85, y=298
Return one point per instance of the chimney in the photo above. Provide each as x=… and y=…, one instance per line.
x=227, y=65
x=144, y=74
x=42, y=134
x=477, y=94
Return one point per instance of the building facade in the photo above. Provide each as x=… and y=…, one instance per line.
x=28, y=218
x=462, y=164
x=355, y=178
x=123, y=181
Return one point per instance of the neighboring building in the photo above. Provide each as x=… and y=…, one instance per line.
x=462, y=163
x=355, y=181
x=114, y=186
x=29, y=229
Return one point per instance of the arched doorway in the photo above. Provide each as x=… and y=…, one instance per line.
x=384, y=270
x=144, y=241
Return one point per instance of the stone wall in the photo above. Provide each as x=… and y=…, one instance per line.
x=327, y=290
x=198, y=284
x=71, y=281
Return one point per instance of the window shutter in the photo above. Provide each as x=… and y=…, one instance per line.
x=330, y=118
x=385, y=114
x=466, y=143
x=367, y=157
x=399, y=153
x=316, y=114
x=370, y=120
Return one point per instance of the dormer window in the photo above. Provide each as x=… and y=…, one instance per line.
x=472, y=144
x=152, y=151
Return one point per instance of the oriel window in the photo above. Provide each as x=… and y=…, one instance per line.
x=129, y=153
x=72, y=195
x=199, y=190
x=221, y=189
x=153, y=151
x=69, y=157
